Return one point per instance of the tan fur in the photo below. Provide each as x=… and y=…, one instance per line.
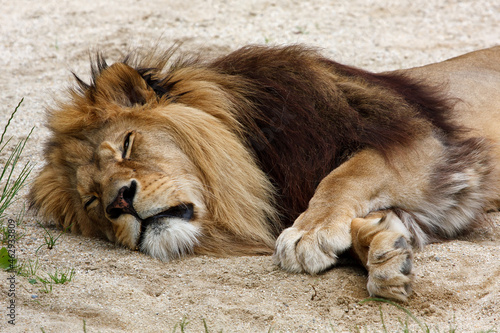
x=196, y=136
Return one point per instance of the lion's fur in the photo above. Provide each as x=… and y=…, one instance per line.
x=263, y=126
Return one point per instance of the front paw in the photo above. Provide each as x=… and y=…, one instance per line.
x=390, y=266
x=311, y=251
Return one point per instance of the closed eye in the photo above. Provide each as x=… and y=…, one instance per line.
x=89, y=202
x=127, y=145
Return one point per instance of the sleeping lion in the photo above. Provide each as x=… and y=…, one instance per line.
x=276, y=149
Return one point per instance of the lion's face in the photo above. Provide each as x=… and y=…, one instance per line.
x=141, y=182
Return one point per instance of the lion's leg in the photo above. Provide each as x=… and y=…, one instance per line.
x=382, y=243
x=367, y=182
x=363, y=184
x=443, y=189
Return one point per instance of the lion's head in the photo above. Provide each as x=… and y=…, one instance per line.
x=166, y=173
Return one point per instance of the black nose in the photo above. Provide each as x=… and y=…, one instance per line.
x=123, y=203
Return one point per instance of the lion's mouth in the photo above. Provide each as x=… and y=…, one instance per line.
x=183, y=211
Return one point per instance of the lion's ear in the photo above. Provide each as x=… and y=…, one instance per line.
x=121, y=84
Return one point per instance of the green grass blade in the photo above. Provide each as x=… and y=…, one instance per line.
x=12, y=188
x=10, y=119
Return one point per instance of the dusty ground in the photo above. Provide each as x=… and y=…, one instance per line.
x=115, y=290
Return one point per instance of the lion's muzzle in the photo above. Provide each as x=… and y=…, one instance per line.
x=123, y=203
x=162, y=222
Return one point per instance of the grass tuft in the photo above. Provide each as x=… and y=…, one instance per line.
x=182, y=325
x=50, y=240
x=59, y=277
x=28, y=268
x=11, y=187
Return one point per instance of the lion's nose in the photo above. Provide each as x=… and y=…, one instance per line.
x=123, y=203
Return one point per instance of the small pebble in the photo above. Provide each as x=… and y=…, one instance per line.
x=34, y=296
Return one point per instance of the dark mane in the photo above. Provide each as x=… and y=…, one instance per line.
x=310, y=114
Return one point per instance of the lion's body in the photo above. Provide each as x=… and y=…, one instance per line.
x=219, y=156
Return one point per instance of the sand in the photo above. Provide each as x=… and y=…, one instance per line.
x=116, y=290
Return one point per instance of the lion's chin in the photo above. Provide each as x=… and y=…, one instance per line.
x=169, y=239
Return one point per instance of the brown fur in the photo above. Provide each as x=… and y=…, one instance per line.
x=252, y=140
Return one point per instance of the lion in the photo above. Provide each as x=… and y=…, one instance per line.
x=276, y=150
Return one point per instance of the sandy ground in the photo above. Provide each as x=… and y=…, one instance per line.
x=115, y=290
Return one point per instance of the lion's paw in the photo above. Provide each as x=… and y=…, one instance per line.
x=311, y=251
x=390, y=265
